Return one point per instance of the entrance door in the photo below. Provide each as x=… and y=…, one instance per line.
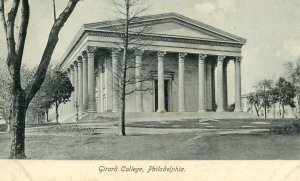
x=166, y=84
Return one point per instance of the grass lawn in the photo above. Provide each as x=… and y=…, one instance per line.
x=208, y=145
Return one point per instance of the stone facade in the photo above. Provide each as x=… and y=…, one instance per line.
x=187, y=62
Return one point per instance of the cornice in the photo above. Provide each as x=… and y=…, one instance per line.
x=166, y=38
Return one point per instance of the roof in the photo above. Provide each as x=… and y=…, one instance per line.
x=158, y=18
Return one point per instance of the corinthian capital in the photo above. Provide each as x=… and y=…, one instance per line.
x=75, y=63
x=221, y=58
x=91, y=49
x=115, y=52
x=202, y=56
x=161, y=54
x=139, y=52
x=182, y=55
x=79, y=59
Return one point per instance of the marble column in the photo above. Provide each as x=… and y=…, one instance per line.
x=84, y=81
x=220, y=87
x=80, y=85
x=181, y=86
x=225, y=87
x=160, y=81
x=91, y=79
x=213, y=86
x=72, y=95
x=75, y=103
x=201, y=83
x=209, y=86
x=108, y=84
x=68, y=103
x=238, y=103
x=100, y=88
x=115, y=77
x=138, y=93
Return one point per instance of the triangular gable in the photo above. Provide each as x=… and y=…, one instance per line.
x=175, y=28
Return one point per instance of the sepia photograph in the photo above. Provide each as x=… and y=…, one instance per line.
x=162, y=82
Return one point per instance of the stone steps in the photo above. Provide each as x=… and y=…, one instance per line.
x=153, y=116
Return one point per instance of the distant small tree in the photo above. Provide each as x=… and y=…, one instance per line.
x=41, y=103
x=255, y=101
x=35, y=109
x=293, y=75
x=264, y=91
x=43, y=100
x=284, y=93
x=59, y=88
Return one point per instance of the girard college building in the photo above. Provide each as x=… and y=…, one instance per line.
x=186, y=60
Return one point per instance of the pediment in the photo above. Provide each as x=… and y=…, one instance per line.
x=174, y=25
x=174, y=28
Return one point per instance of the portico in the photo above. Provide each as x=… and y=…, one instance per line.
x=182, y=60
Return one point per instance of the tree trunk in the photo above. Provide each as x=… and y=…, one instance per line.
x=265, y=111
x=47, y=115
x=282, y=111
x=274, y=111
x=122, y=119
x=124, y=69
x=123, y=94
x=38, y=118
x=19, y=104
x=298, y=109
x=257, y=111
x=56, y=111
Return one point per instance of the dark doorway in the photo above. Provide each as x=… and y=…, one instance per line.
x=166, y=85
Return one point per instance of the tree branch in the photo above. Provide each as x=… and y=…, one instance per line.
x=23, y=30
x=39, y=76
x=10, y=32
x=2, y=15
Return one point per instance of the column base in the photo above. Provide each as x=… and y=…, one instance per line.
x=202, y=110
x=238, y=110
x=161, y=110
x=116, y=110
x=220, y=110
x=182, y=110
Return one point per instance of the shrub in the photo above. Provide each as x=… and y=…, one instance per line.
x=293, y=128
x=66, y=129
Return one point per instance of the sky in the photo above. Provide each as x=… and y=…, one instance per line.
x=271, y=27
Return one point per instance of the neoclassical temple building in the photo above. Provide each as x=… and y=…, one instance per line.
x=185, y=55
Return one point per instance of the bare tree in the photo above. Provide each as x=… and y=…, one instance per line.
x=21, y=97
x=132, y=43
